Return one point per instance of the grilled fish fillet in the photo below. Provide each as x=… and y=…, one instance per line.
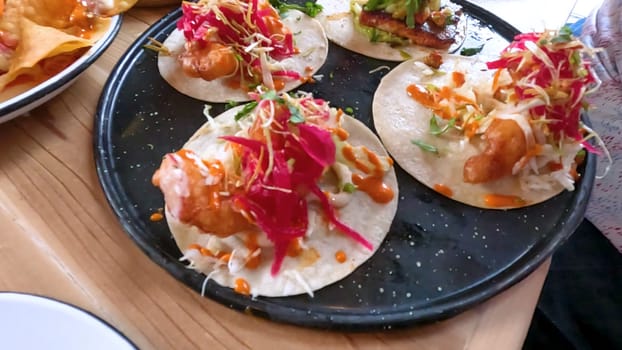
x=426, y=34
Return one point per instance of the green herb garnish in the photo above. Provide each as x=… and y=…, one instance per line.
x=349, y=187
x=470, y=51
x=563, y=36
x=231, y=104
x=425, y=146
x=349, y=110
x=246, y=110
x=436, y=130
x=296, y=117
x=310, y=8
x=405, y=55
x=412, y=7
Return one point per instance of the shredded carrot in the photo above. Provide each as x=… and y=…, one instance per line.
x=495, y=81
x=458, y=78
x=534, y=151
x=471, y=129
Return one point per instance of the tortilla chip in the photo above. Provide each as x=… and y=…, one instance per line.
x=118, y=6
x=37, y=43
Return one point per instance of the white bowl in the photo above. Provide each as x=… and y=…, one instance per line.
x=34, y=322
x=48, y=89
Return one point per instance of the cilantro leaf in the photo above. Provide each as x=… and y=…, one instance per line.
x=246, y=110
x=563, y=36
x=296, y=117
x=471, y=51
x=425, y=146
x=436, y=130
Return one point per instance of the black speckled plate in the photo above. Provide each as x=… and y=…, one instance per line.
x=439, y=258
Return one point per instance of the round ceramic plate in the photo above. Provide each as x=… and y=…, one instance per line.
x=35, y=322
x=439, y=258
x=43, y=92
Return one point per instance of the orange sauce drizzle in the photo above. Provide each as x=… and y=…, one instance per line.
x=251, y=244
x=373, y=183
x=307, y=79
x=339, y=115
x=194, y=246
x=340, y=256
x=341, y=133
x=374, y=187
x=156, y=217
x=348, y=153
x=294, y=249
x=204, y=251
x=444, y=190
x=279, y=84
x=241, y=286
x=494, y=200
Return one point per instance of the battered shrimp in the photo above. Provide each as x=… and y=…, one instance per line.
x=208, y=62
x=192, y=191
x=506, y=145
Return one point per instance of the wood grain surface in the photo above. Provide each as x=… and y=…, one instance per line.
x=59, y=238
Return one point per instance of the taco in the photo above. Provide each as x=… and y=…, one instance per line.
x=222, y=49
x=274, y=198
x=38, y=39
x=502, y=134
x=394, y=30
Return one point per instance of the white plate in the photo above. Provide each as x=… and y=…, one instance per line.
x=33, y=322
x=43, y=92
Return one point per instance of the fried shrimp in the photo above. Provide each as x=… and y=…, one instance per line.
x=506, y=145
x=211, y=61
x=194, y=194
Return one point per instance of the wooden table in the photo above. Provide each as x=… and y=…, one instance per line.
x=59, y=238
